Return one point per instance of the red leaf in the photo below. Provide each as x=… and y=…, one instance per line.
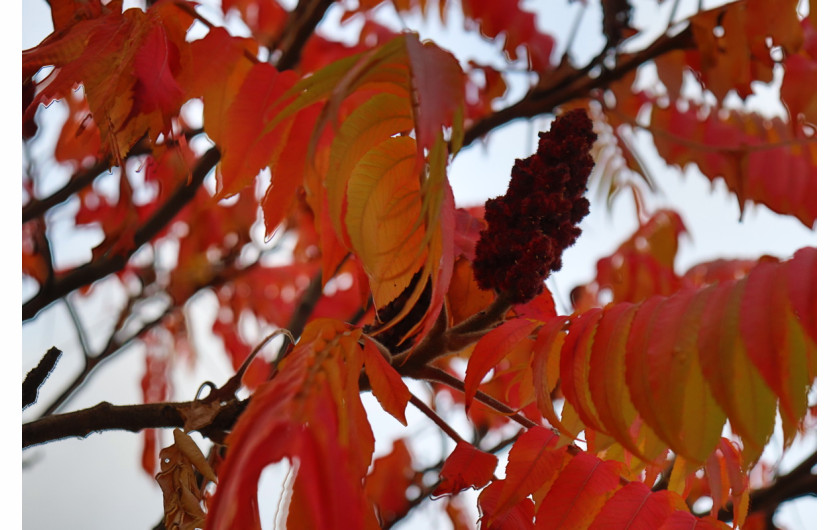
x=771, y=162
x=686, y=521
x=519, y=28
x=438, y=84
x=246, y=144
x=799, y=86
x=688, y=367
x=311, y=414
x=575, y=365
x=536, y=456
x=610, y=392
x=723, y=356
x=635, y=507
x=802, y=285
x=386, y=485
x=265, y=18
x=765, y=312
x=578, y=493
x=518, y=517
x=466, y=467
x=656, y=364
x=156, y=89
x=491, y=349
x=385, y=383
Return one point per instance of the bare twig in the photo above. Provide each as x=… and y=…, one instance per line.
x=77, y=323
x=306, y=305
x=298, y=29
x=431, y=373
x=432, y=415
x=92, y=363
x=110, y=263
x=36, y=377
x=800, y=482
x=227, y=392
x=543, y=99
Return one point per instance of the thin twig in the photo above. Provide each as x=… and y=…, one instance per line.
x=92, y=363
x=227, y=392
x=799, y=482
x=36, y=377
x=432, y=415
x=300, y=26
x=111, y=263
x=190, y=10
x=432, y=373
x=543, y=99
x=77, y=324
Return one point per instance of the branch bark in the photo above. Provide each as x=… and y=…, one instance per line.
x=108, y=264
x=300, y=27
x=800, y=482
x=543, y=99
x=134, y=418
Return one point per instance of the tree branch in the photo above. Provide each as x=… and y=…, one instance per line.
x=36, y=377
x=91, y=363
x=110, y=263
x=439, y=376
x=543, y=99
x=134, y=418
x=798, y=483
x=77, y=183
x=432, y=415
x=299, y=28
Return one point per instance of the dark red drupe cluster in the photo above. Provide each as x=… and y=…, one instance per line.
x=536, y=220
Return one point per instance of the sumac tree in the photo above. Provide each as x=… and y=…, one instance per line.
x=242, y=153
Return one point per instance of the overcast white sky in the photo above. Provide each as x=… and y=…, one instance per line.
x=97, y=483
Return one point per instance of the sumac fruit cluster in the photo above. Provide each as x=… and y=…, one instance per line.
x=536, y=220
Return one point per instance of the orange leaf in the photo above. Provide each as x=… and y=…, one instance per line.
x=546, y=366
x=383, y=209
x=770, y=162
x=465, y=298
x=727, y=480
x=385, y=383
x=311, y=414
